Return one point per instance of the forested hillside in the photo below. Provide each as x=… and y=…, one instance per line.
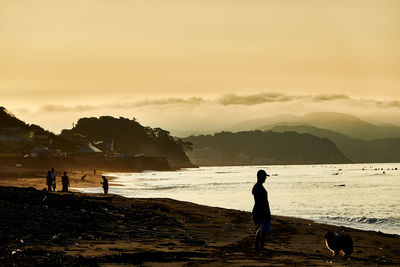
x=357, y=150
x=257, y=147
x=131, y=137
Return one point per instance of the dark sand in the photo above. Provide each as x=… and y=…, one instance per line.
x=39, y=227
x=26, y=177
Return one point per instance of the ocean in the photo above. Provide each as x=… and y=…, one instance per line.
x=362, y=196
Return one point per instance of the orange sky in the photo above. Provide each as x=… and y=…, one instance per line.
x=101, y=53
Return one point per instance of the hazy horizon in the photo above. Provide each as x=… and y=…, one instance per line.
x=208, y=125
x=204, y=65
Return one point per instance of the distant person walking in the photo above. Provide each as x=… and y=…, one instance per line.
x=53, y=176
x=49, y=180
x=65, y=182
x=105, y=184
x=261, y=212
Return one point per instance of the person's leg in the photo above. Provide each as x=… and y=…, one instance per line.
x=258, y=236
x=265, y=228
x=268, y=226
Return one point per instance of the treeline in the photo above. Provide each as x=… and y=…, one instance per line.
x=131, y=137
x=258, y=147
x=12, y=126
x=357, y=150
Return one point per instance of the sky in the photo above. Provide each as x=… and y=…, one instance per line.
x=185, y=64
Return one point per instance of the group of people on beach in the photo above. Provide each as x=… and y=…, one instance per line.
x=51, y=181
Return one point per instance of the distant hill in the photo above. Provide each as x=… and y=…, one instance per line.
x=357, y=150
x=31, y=134
x=342, y=123
x=257, y=147
x=186, y=133
x=256, y=124
x=7, y=119
x=131, y=137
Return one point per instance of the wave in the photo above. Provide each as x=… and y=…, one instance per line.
x=385, y=225
x=364, y=220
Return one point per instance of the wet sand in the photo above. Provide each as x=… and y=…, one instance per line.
x=94, y=229
x=24, y=177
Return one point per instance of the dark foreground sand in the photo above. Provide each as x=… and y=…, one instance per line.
x=38, y=227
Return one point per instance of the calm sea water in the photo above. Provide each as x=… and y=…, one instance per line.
x=363, y=196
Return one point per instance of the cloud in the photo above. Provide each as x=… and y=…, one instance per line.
x=388, y=104
x=126, y=105
x=62, y=108
x=322, y=98
x=255, y=99
x=227, y=100
x=262, y=98
x=169, y=101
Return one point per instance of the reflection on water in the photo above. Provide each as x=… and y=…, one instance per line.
x=364, y=196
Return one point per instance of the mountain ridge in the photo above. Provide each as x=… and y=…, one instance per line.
x=357, y=150
x=339, y=122
x=262, y=148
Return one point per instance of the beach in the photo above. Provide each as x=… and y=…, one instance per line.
x=95, y=229
x=30, y=177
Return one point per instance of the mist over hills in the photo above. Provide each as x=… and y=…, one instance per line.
x=285, y=140
x=257, y=147
x=357, y=150
x=342, y=123
x=257, y=124
x=358, y=140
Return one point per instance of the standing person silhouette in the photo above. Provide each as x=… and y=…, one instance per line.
x=261, y=212
x=105, y=184
x=65, y=182
x=49, y=180
x=53, y=176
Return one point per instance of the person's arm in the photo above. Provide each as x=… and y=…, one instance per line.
x=268, y=211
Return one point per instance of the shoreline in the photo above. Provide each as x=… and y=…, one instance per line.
x=93, y=181
x=37, y=178
x=299, y=164
x=97, y=229
x=327, y=222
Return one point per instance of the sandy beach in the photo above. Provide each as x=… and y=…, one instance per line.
x=26, y=177
x=94, y=229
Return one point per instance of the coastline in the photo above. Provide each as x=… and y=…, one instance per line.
x=96, y=229
x=19, y=177
x=93, y=181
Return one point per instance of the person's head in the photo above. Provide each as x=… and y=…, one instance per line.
x=261, y=176
x=65, y=173
x=52, y=169
x=48, y=172
x=103, y=177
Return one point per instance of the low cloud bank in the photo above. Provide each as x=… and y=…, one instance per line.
x=227, y=100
